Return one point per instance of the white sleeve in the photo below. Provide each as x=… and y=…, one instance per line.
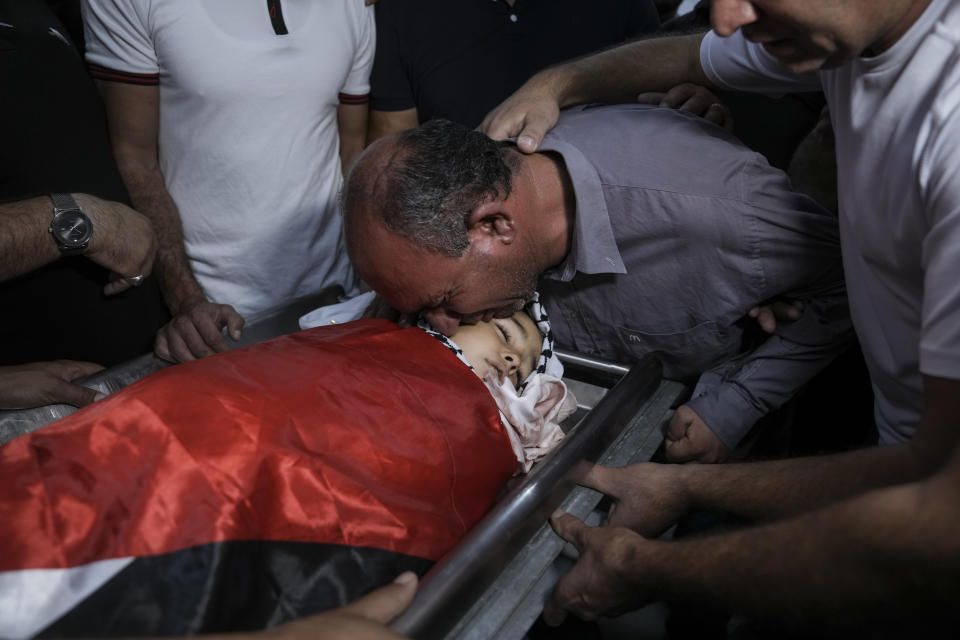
x=736, y=64
x=117, y=35
x=358, y=80
x=940, y=192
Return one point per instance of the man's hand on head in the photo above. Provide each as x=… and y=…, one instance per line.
x=527, y=115
x=38, y=384
x=689, y=439
x=195, y=331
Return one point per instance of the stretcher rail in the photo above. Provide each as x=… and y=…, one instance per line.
x=456, y=599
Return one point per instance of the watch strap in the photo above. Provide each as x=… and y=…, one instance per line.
x=63, y=201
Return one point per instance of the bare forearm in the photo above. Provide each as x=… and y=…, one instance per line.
x=25, y=243
x=765, y=491
x=150, y=197
x=619, y=74
x=884, y=557
x=781, y=488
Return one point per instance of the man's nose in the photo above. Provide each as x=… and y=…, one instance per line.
x=442, y=321
x=729, y=15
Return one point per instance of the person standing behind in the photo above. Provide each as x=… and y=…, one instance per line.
x=58, y=303
x=232, y=122
x=457, y=60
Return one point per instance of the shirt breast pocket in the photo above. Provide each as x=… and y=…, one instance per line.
x=684, y=354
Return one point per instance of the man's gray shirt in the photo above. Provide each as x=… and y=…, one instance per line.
x=680, y=229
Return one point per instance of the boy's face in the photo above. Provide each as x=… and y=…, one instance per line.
x=510, y=346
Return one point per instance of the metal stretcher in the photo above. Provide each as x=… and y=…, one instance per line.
x=495, y=582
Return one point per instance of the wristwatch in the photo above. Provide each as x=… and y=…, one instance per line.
x=71, y=228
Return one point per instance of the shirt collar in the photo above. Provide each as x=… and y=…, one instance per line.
x=594, y=248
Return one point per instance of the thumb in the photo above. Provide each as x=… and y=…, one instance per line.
x=235, y=324
x=386, y=603
x=569, y=527
x=603, y=479
x=680, y=451
x=679, y=423
x=532, y=133
x=62, y=392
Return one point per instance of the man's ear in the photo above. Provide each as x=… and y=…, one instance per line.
x=492, y=221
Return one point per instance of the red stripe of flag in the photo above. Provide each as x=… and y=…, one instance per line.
x=360, y=434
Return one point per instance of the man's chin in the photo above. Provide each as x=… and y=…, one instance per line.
x=797, y=61
x=800, y=66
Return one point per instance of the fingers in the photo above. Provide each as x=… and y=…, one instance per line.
x=719, y=114
x=116, y=285
x=787, y=310
x=686, y=97
x=604, y=479
x=38, y=384
x=71, y=370
x=61, y=392
x=651, y=97
x=532, y=133
x=680, y=451
x=387, y=602
x=195, y=332
x=679, y=424
x=764, y=317
x=181, y=341
x=553, y=612
x=568, y=527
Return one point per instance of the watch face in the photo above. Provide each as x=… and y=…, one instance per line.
x=71, y=228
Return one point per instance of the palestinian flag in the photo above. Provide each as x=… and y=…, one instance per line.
x=247, y=489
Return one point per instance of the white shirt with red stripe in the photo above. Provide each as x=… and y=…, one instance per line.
x=248, y=138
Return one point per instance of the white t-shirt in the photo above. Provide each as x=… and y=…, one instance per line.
x=248, y=138
x=896, y=117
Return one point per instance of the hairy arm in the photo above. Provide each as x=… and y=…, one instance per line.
x=867, y=537
x=874, y=559
x=25, y=243
x=123, y=241
x=650, y=497
x=133, y=116
x=611, y=76
x=384, y=123
x=887, y=558
x=194, y=331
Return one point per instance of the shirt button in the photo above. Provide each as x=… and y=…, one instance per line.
x=513, y=17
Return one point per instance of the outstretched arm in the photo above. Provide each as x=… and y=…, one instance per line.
x=612, y=76
x=123, y=240
x=885, y=558
x=650, y=497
